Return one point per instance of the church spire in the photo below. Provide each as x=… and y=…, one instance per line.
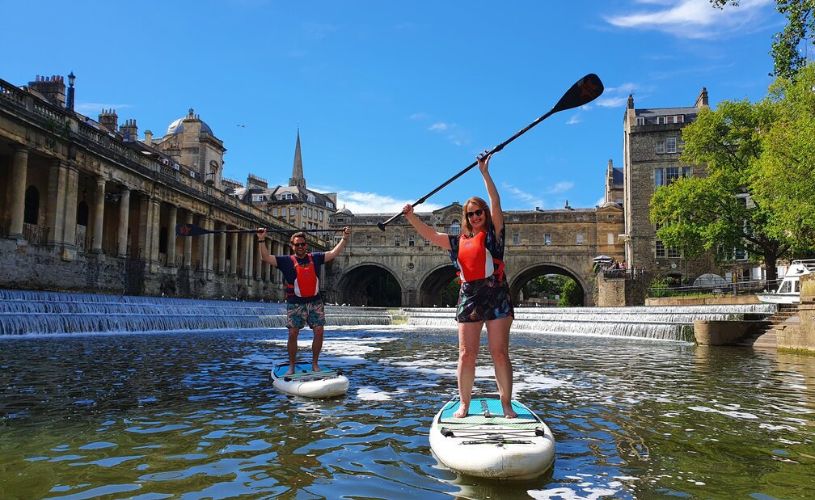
x=297, y=178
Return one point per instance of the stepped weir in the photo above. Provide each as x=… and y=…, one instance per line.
x=38, y=312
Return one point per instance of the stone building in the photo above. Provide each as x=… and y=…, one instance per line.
x=86, y=205
x=652, y=144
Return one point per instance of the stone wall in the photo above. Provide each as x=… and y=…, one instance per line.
x=801, y=337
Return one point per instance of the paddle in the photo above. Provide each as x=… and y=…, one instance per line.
x=194, y=230
x=582, y=92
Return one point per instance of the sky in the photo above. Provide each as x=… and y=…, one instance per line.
x=390, y=98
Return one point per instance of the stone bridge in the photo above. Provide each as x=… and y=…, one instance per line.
x=397, y=267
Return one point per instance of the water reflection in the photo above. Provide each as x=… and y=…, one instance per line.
x=149, y=416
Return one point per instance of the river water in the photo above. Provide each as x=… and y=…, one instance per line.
x=194, y=415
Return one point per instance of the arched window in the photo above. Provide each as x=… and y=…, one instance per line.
x=455, y=228
x=32, y=205
x=82, y=213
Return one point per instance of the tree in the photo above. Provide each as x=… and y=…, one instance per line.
x=718, y=211
x=784, y=178
x=571, y=295
x=788, y=59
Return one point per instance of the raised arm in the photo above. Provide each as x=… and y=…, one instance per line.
x=334, y=252
x=425, y=231
x=264, y=252
x=495, y=199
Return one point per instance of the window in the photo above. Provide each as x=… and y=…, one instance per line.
x=670, y=145
x=669, y=252
x=411, y=241
x=283, y=212
x=320, y=216
x=667, y=175
x=310, y=213
x=329, y=204
x=288, y=196
x=455, y=228
x=640, y=120
x=662, y=120
x=579, y=239
x=516, y=238
x=311, y=198
x=610, y=238
x=547, y=239
x=275, y=212
x=368, y=239
x=397, y=240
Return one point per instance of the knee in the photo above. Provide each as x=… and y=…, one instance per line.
x=318, y=332
x=467, y=356
x=500, y=354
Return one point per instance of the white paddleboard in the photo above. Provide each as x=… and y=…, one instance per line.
x=485, y=444
x=308, y=383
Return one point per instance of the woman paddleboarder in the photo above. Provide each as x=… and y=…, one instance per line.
x=484, y=298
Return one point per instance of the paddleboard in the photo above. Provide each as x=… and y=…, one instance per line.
x=308, y=383
x=485, y=444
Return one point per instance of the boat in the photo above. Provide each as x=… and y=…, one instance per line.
x=789, y=291
x=487, y=445
x=308, y=383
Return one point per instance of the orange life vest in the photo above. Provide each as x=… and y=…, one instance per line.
x=475, y=261
x=306, y=284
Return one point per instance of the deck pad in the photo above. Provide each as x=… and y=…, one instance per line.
x=487, y=411
x=302, y=370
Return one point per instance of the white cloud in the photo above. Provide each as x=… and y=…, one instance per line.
x=529, y=200
x=612, y=101
x=573, y=120
x=373, y=203
x=560, y=187
x=695, y=18
x=451, y=131
x=439, y=127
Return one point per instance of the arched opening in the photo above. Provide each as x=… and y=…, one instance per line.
x=369, y=285
x=548, y=285
x=31, y=211
x=82, y=213
x=439, y=288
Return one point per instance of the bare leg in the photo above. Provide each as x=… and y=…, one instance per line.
x=316, y=347
x=292, y=347
x=469, y=337
x=498, y=339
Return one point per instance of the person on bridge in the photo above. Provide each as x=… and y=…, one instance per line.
x=478, y=254
x=304, y=304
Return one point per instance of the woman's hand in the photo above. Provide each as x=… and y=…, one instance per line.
x=261, y=234
x=484, y=161
x=407, y=210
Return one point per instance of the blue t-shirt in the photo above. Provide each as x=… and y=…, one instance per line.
x=286, y=266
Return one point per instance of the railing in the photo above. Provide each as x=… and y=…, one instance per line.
x=746, y=287
x=35, y=235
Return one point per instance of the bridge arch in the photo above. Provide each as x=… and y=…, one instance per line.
x=541, y=269
x=369, y=284
x=433, y=283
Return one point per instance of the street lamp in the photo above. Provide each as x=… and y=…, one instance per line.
x=70, y=103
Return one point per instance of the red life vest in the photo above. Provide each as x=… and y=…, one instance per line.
x=475, y=261
x=306, y=284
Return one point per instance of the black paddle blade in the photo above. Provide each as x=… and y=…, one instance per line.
x=583, y=92
x=189, y=230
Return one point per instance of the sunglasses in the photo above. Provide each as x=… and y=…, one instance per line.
x=298, y=244
x=476, y=213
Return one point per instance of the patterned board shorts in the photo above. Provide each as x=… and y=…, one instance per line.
x=307, y=313
x=484, y=300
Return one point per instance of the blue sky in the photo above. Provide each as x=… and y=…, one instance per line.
x=393, y=98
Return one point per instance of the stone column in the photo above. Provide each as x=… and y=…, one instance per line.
x=222, y=251
x=210, y=260
x=124, y=221
x=267, y=268
x=172, y=217
x=250, y=247
x=187, y=262
x=233, y=264
x=155, y=228
x=69, y=226
x=16, y=198
x=55, y=218
x=98, y=215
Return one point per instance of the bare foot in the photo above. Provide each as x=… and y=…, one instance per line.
x=462, y=410
x=315, y=367
x=291, y=371
x=509, y=412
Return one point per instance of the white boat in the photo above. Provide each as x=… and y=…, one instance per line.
x=485, y=444
x=789, y=291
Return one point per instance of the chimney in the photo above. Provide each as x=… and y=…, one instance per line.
x=50, y=87
x=130, y=131
x=630, y=103
x=148, y=137
x=109, y=120
x=701, y=101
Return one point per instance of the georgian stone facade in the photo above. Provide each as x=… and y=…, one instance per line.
x=85, y=205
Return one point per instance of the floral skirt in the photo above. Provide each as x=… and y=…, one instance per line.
x=484, y=300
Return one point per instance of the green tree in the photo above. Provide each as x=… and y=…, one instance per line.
x=718, y=211
x=784, y=178
x=571, y=294
x=787, y=51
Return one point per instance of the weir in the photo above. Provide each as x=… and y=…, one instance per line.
x=651, y=322
x=35, y=312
